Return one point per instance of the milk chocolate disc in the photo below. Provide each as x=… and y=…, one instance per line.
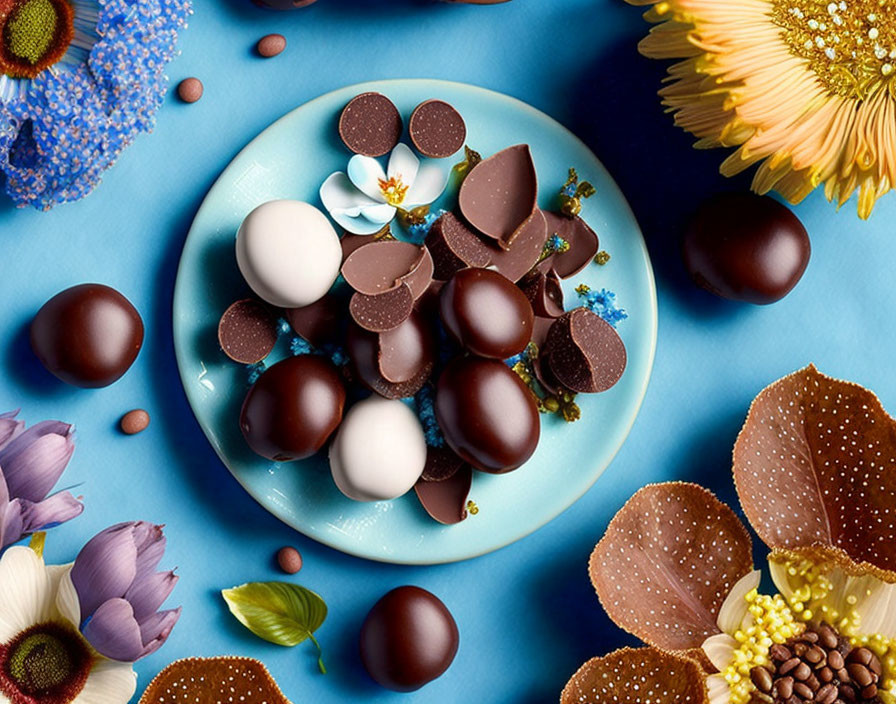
x=498, y=195
x=384, y=265
x=543, y=290
x=583, y=243
x=585, y=352
x=441, y=463
x=454, y=246
x=350, y=242
x=247, y=331
x=320, y=323
x=446, y=501
x=525, y=250
x=437, y=129
x=370, y=124
x=383, y=311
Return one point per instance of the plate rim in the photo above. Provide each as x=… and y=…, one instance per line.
x=515, y=103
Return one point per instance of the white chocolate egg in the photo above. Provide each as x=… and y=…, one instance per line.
x=288, y=252
x=379, y=451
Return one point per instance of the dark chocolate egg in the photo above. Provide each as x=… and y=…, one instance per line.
x=487, y=414
x=486, y=313
x=87, y=335
x=746, y=247
x=284, y=4
x=408, y=639
x=395, y=363
x=293, y=408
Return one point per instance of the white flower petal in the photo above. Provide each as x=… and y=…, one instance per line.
x=403, y=164
x=67, y=603
x=109, y=682
x=382, y=213
x=781, y=580
x=366, y=173
x=25, y=596
x=339, y=195
x=734, y=608
x=718, y=689
x=720, y=650
x=356, y=225
x=429, y=185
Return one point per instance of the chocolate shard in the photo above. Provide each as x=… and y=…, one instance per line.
x=386, y=264
x=584, y=352
x=543, y=290
x=583, y=243
x=441, y=463
x=247, y=332
x=455, y=246
x=525, y=251
x=383, y=311
x=350, y=242
x=320, y=323
x=370, y=124
x=446, y=500
x=499, y=194
x=437, y=129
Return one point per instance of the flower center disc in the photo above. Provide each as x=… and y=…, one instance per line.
x=47, y=664
x=394, y=191
x=849, y=44
x=34, y=34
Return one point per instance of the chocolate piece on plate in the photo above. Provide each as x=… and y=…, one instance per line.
x=247, y=332
x=370, y=124
x=446, y=501
x=583, y=243
x=584, y=352
x=441, y=463
x=350, y=242
x=437, y=129
x=321, y=322
x=454, y=246
x=384, y=311
x=524, y=253
x=544, y=292
x=498, y=195
x=384, y=265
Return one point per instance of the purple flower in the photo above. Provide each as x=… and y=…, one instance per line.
x=120, y=592
x=31, y=462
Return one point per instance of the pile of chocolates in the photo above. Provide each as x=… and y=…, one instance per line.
x=458, y=329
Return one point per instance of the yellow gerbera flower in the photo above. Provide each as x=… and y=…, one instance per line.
x=804, y=88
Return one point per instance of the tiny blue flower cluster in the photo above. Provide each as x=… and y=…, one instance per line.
x=418, y=231
x=603, y=303
x=424, y=401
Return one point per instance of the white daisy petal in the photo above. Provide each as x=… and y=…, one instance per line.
x=720, y=650
x=339, y=195
x=734, y=608
x=429, y=185
x=403, y=164
x=381, y=213
x=366, y=173
x=67, y=603
x=25, y=597
x=357, y=225
x=718, y=689
x=109, y=682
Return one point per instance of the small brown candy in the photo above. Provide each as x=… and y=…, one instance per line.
x=383, y=311
x=134, y=422
x=270, y=45
x=585, y=352
x=454, y=246
x=437, y=129
x=289, y=559
x=370, y=124
x=446, y=500
x=247, y=332
x=190, y=90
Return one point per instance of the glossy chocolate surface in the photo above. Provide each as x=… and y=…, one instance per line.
x=408, y=639
x=87, y=335
x=446, y=500
x=584, y=352
x=487, y=414
x=746, y=247
x=486, y=313
x=293, y=408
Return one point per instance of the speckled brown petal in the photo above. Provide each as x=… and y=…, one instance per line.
x=635, y=676
x=204, y=680
x=667, y=562
x=814, y=466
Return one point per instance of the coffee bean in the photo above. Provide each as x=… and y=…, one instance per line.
x=134, y=422
x=762, y=678
x=787, y=666
x=800, y=649
x=784, y=687
x=842, y=675
x=802, y=671
x=813, y=682
x=862, y=656
x=190, y=90
x=848, y=692
x=827, y=637
x=809, y=637
x=870, y=691
x=270, y=45
x=835, y=660
x=874, y=664
x=802, y=689
x=825, y=674
x=826, y=694
x=779, y=653
x=860, y=674
x=814, y=655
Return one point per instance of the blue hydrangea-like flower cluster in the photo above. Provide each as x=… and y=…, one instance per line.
x=62, y=129
x=424, y=401
x=418, y=231
x=603, y=303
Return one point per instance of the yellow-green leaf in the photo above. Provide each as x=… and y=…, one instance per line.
x=279, y=612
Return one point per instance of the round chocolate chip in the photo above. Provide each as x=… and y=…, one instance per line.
x=370, y=124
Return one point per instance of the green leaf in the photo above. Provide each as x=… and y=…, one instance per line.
x=279, y=612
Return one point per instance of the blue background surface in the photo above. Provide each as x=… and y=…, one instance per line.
x=527, y=614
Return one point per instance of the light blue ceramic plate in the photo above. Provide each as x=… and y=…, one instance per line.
x=290, y=159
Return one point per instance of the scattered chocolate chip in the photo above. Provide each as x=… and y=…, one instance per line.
x=584, y=352
x=190, y=90
x=583, y=243
x=437, y=129
x=524, y=252
x=134, y=422
x=247, y=331
x=320, y=323
x=543, y=290
x=289, y=559
x=454, y=246
x=446, y=500
x=384, y=265
x=270, y=45
x=498, y=195
x=370, y=124
x=383, y=311
x=441, y=463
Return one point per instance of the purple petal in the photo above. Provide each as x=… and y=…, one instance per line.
x=114, y=631
x=150, y=544
x=105, y=568
x=10, y=428
x=147, y=594
x=34, y=461
x=10, y=524
x=155, y=630
x=50, y=512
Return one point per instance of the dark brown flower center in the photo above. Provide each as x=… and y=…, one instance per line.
x=821, y=666
x=34, y=34
x=46, y=664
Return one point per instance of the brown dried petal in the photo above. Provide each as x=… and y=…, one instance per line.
x=666, y=563
x=661, y=678
x=222, y=679
x=814, y=467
